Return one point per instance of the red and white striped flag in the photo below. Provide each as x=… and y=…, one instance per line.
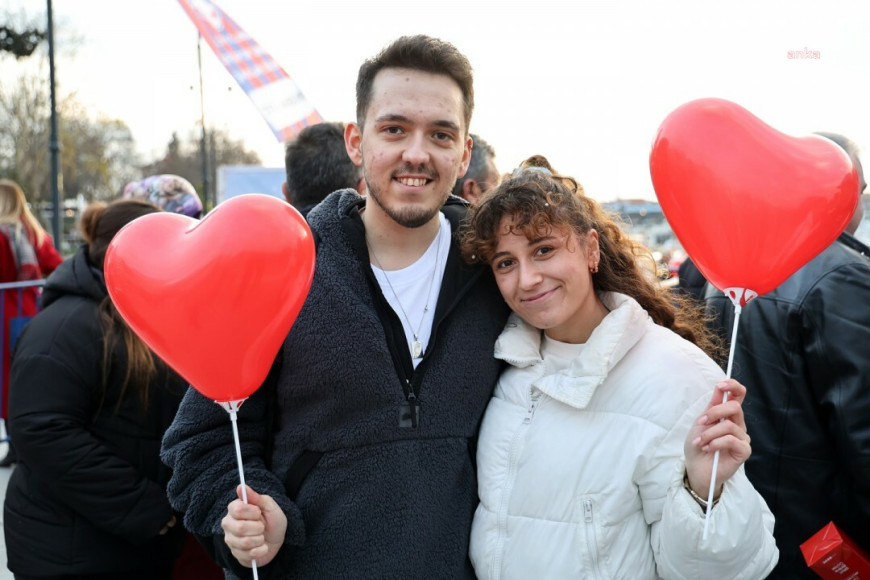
x=273, y=92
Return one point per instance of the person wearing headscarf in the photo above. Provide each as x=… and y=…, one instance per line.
x=171, y=193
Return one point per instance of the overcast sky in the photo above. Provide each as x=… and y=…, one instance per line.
x=584, y=83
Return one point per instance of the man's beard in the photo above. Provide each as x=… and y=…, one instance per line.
x=408, y=217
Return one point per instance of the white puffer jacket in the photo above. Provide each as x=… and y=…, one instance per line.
x=580, y=472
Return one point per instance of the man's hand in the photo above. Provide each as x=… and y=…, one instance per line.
x=254, y=530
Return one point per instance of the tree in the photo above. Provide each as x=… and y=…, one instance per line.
x=96, y=157
x=184, y=158
x=24, y=134
x=97, y=154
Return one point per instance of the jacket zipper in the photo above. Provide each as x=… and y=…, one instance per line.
x=408, y=374
x=515, y=449
x=535, y=397
x=591, y=539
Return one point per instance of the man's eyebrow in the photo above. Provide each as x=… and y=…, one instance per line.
x=392, y=117
x=447, y=125
x=397, y=118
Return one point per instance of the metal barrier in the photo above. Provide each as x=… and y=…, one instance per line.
x=14, y=325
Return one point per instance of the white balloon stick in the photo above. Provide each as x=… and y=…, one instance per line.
x=739, y=296
x=232, y=407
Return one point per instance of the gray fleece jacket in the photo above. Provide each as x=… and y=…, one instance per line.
x=367, y=495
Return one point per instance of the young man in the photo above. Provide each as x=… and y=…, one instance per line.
x=359, y=447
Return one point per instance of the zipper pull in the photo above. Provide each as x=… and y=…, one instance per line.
x=531, y=410
x=415, y=410
x=587, y=510
x=409, y=412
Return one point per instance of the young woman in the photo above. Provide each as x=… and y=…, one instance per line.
x=596, y=451
x=90, y=405
x=26, y=253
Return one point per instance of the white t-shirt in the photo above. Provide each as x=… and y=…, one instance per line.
x=413, y=291
x=559, y=355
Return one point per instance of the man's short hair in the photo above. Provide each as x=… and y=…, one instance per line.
x=846, y=144
x=419, y=53
x=481, y=154
x=316, y=163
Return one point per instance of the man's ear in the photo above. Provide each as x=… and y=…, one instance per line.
x=286, y=191
x=466, y=157
x=471, y=191
x=353, y=143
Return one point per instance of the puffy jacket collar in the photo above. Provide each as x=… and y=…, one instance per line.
x=75, y=276
x=520, y=345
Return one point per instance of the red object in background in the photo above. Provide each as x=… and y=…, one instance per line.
x=749, y=204
x=20, y=305
x=214, y=298
x=194, y=563
x=833, y=556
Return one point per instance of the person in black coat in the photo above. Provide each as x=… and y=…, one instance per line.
x=802, y=352
x=88, y=408
x=690, y=280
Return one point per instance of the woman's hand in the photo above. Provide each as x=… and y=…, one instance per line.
x=254, y=530
x=721, y=427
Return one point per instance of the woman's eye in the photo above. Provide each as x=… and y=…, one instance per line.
x=502, y=264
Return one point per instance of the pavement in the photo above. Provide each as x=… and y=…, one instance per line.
x=5, y=472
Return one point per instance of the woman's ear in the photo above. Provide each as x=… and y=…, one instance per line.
x=593, y=249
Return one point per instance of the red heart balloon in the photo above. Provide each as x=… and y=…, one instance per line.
x=214, y=298
x=749, y=204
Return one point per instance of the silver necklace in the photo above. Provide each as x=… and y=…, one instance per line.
x=416, y=346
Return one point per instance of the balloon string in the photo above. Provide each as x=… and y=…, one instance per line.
x=711, y=493
x=233, y=420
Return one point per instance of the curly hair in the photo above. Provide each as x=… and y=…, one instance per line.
x=537, y=200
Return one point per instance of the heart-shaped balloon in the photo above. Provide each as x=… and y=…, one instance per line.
x=749, y=204
x=214, y=298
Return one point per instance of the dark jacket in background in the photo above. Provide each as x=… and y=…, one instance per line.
x=364, y=496
x=803, y=353
x=690, y=280
x=88, y=494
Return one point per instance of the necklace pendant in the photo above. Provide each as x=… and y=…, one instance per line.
x=416, y=349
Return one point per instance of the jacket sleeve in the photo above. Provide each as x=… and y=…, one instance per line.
x=739, y=544
x=51, y=407
x=199, y=447
x=47, y=256
x=835, y=324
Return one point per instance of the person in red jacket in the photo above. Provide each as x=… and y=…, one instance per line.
x=26, y=253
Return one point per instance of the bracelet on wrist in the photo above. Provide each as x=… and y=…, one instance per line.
x=700, y=500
